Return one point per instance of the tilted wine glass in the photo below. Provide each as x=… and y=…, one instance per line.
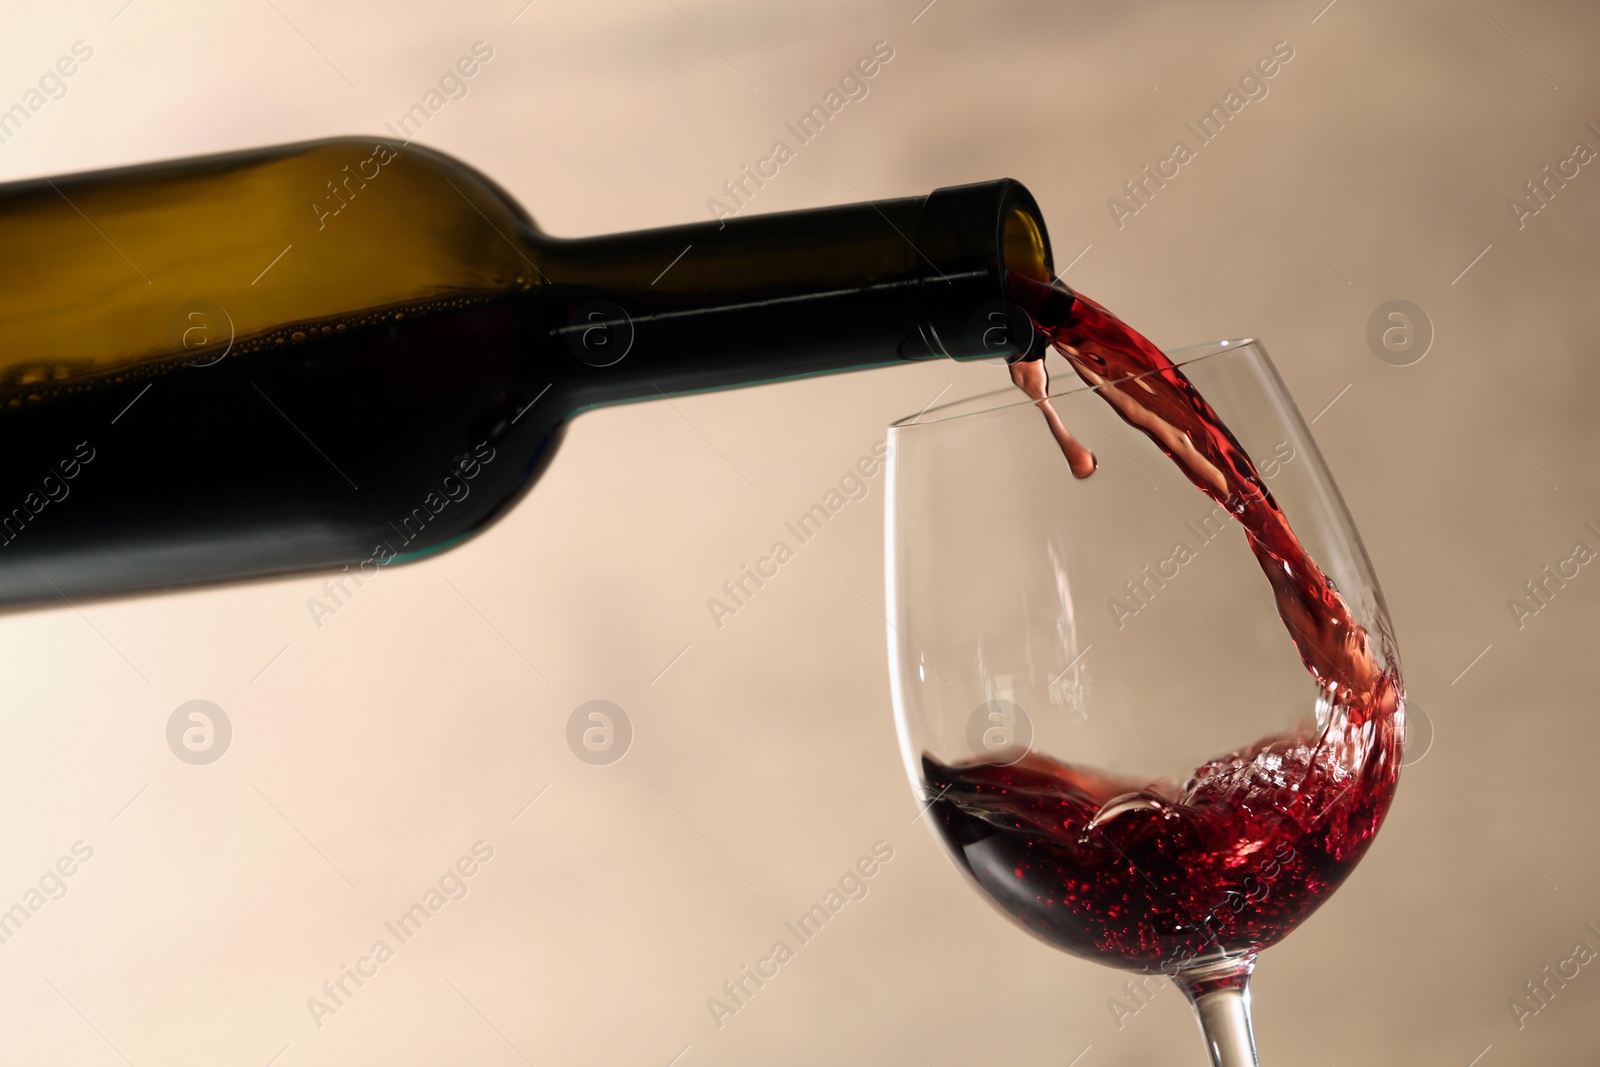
x=1118, y=740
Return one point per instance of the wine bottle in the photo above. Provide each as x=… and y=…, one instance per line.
x=350, y=353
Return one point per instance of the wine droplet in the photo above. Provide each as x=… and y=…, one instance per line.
x=1033, y=378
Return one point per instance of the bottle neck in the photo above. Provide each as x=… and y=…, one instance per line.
x=770, y=298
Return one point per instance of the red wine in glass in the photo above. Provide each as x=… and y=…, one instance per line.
x=1154, y=876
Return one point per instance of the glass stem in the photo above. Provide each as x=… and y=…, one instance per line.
x=1220, y=993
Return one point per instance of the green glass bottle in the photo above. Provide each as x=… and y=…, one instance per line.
x=352, y=352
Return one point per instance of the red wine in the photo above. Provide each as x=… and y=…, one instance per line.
x=1149, y=875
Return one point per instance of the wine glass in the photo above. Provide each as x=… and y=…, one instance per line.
x=1097, y=701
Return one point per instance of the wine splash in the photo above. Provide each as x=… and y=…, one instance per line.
x=1148, y=875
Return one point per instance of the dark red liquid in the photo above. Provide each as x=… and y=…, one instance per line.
x=1149, y=875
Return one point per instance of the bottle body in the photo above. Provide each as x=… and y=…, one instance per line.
x=258, y=364
x=354, y=353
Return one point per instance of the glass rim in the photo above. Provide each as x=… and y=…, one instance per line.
x=1008, y=396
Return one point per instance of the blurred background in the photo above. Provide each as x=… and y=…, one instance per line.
x=429, y=715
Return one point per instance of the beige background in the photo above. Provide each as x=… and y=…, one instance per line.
x=375, y=750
